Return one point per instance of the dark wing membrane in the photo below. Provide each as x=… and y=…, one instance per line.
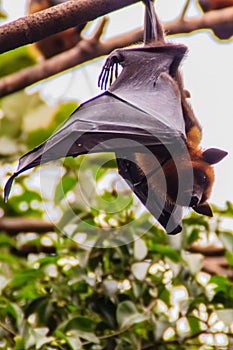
x=168, y=215
x=167, y=101
x=101, y=119
x=106, y=123
x=146, y=81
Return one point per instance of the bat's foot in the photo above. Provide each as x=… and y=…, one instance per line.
x=109, y=70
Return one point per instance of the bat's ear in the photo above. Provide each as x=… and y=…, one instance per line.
x=187, y=93
x=213, y=155
x=204, y=209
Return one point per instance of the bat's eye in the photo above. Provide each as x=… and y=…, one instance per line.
x=201, y=178
x=204, y=179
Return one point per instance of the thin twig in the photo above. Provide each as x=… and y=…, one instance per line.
x=208, y=20
x=184, y=11
x=7, y=329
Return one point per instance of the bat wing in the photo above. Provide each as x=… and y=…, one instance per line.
x=152, y=70
x=167, y=214
x=107, y=123
x=141, y=110
x=146, y=81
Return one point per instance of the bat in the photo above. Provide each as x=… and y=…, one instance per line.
x=59, y=42
x=143, y=117
x=221, y=31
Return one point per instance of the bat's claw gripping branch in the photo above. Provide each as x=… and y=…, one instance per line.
x=109, y=70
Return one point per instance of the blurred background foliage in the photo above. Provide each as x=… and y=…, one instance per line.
x=103, y=275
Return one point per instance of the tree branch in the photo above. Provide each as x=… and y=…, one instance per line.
x=215, y=262
x=90, y=48
x=85, y=50
x=217, y=265
x=37, y=26
x=208, y=20
x=15, y=225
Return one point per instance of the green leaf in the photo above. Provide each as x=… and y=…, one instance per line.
x=227, y=240
x=19, y=343
x=89, y=336
x=106, y=310
x=5, y=240
x=167, y=251
x=226, y=316
x=127, y=314
x=65, y=185
x=193, y=236
x=16, y=313
x=164, y=294
x=221, y=283
x=194, y=324
x=72, y=340
x=196, y=220
x=79, y=323
x=25, y=276
x=15, y=60
x=228, y=211
x=42, y=341
x=100, y=171
x=36, y=137
x=193, y=261
x=36, y=336
x=39, y=306
x=28, y=336
x=110, y=287
x=8, y=146
x=112, y=202
x=140, y=249
x=63, y=112
x=229, y=258
x=140, y=270
x=20, y=111
x=160, y=327
x=8, y=258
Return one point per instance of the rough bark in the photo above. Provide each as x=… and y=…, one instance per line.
x=91, y=48
x=37, y=26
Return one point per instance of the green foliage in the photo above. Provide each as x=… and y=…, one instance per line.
x=109, y=280
x=15, y=60
x=107, y=277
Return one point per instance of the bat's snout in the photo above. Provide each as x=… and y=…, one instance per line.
x=194, y=201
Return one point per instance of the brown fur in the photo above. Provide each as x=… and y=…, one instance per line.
x=203, y=174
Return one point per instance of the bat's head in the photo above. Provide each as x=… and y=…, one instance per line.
x=203, y=178
x=190, y=179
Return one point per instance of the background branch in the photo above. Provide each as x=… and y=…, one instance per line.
x=15, y=225
x=90, y=48
x=37, y=26
x=85, y=50
x=214, y=263
x=208, y=20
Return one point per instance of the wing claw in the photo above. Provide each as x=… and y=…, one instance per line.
x=109, y=72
